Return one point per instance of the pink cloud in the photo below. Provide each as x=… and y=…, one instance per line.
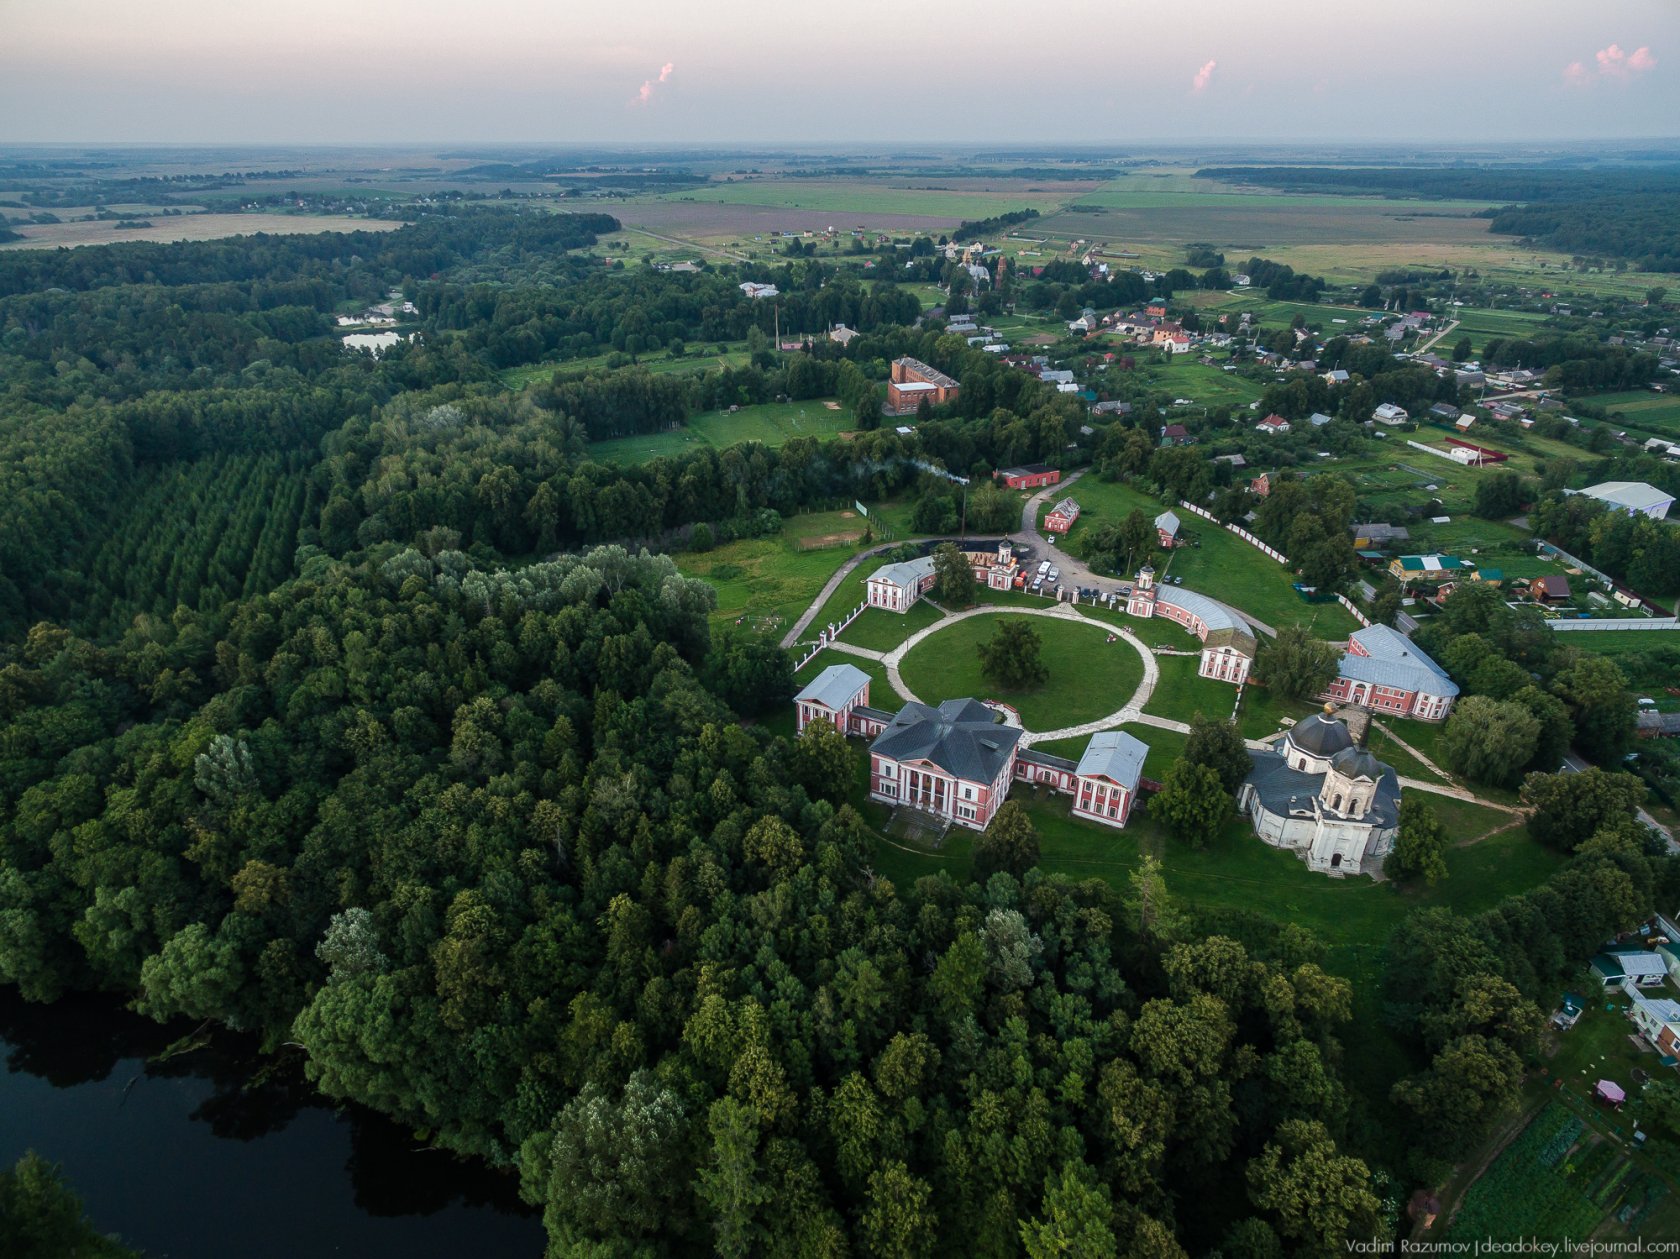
x=1203, y=77
x=1613, y=62
x=644, y=94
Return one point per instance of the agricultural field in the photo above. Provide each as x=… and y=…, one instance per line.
x=1655, y=413
x=868, y=201
x=1482, y=325
x=773, y=423
x=1089, y=678
x=189, y=227
x=1184, y=377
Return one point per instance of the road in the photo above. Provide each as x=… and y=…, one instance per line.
x=688, y=244
x=1075, y=571
x=1424, y=346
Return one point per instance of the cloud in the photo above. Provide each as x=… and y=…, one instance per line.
x=1203, y=77
x=1613, y=62
x=644, y=94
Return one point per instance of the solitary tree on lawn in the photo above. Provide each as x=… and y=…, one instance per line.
x=953, y=580
x=1010, y=659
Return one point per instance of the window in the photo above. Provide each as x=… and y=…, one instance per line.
x=1338, y=805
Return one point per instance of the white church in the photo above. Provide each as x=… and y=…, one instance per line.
x=1318, y=793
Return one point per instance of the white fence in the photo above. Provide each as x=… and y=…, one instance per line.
x=1436, y=451
x=1244, y=534
x=827, y=636
x=1617, y=623
x=1359, y=616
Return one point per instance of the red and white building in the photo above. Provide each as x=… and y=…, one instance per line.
x=897, y=586
x=834, y=695
x=1167, y=525
x=1031, y=476
x=1273, y=425
x=913, y=382
x=1107, y=777
x=1062, y=516
x=1381, y=669
x=1228, y=644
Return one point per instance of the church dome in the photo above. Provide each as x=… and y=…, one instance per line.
x=1321, y=735
x=1354, y=762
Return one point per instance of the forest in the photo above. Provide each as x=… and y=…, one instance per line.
x=347, y=701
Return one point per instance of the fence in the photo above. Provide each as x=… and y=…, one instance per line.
x=827, y=636
x=1436, y=451
x=1357, y=614
x=1244, y=534
x=1618, y=623
x=1546, y=548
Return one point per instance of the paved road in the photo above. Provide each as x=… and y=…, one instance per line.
x=791, y=638
x=1078, y=573
x=1424, y=346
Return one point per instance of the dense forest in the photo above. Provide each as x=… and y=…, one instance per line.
x=341, y=703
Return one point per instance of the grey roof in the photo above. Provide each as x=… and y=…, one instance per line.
x=1211, y=614
x=1394, y=661
x=1628, y=495
x=1067, y=507
x=1381, y=532
x=931, y=375
x=962, y=737
x=1167, y=522
x=1034, y=757
x=1116, y=756
x=1290, y=792
x=905, y=572
x=1318, y=419
x=1320, y=735
x=1356, y=762
x=1634, y=963
x=835, y=685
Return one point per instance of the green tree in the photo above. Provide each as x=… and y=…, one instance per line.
x=1602, y=708
x=1489, y=740
x=824, y=761
x=1011, y=658
x=1009, y=843
x=1073, y=1218
x=1321, y=1197
x=1462, y=350
x=1420, y=846
x=1568, y=808
x=1295, y=665
x=1469, y=1084
x=1500, y=494
x=730, y=1181
x=953, y=579
x=1192, y=803
x=1661, y=1100
x=41, y=1217
x=898, y=1217
x=614, y=1166
x=1220, y=746
x=1149, y=906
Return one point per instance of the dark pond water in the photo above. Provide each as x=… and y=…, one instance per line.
x=219, y=1152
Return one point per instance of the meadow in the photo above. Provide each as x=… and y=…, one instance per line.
x=696, y=360
x=773, y=423
x=1222, y=565
x=1657, y=414
x=1089, y=677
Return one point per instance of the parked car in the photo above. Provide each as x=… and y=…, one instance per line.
x=1043, y=567
x=1055, y=573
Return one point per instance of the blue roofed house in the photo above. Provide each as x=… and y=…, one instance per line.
x=832, y=696
x=1383, y=670
x=1108, y=777
x=1658, y=1021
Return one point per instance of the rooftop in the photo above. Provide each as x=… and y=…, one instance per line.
x=962, y=737
x=1628, y=495
x=834, y=686
x=905, y=572
x=1116, y=756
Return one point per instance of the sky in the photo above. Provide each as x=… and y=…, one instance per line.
x=868, y=71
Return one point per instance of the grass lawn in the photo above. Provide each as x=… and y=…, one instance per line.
x=1222, y=565
x=1182, y=692
x=1656, y=413
x=1089, y=678
x=697, y=360
x=1647, y=657
x=773, y=423
x=765, y=582
x=880, y=630
x=1263, y=714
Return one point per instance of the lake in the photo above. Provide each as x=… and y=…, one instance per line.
x=219, y=1151
x=375, y=341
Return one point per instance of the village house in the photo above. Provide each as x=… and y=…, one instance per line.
x=1377, y=534
x=1176, y=435
x=1228, y=644
x=1336, y=376
x=759, y=292
x=843, y=335
x=1552, y=588
x=1317, y=793
x=1166, y=530
x=1427, y=567
x=1261, y=486
x=1658, y=1021
x=1062, y=516
x=1629, y=968
x=1381, y=669
x=913, y=381
x=1390, y=414
x=1273, y=425
x=1030, y=476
